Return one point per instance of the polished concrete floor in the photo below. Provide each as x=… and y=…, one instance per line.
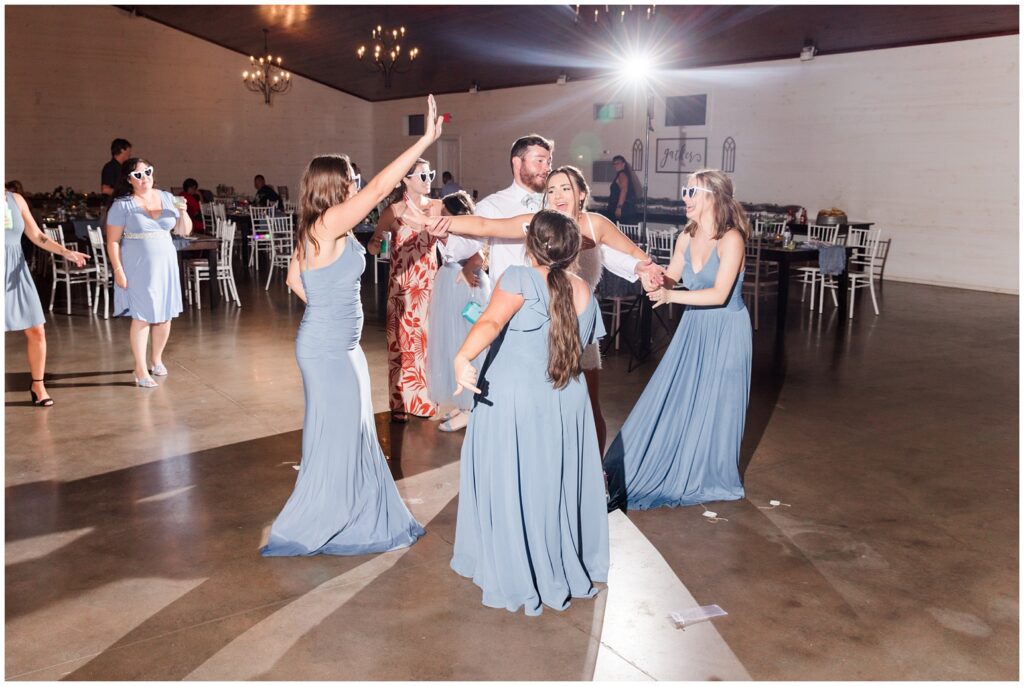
x=133, y=517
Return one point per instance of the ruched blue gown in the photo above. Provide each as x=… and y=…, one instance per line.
x=680, y=444
x=345, y=501
x=532, y=528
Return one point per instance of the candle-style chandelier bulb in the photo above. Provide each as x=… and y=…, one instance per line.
x=267, y=76
x=387, y=51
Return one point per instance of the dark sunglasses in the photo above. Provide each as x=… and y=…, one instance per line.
x=137, y=175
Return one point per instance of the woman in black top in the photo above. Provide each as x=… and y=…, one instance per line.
x=623, y=193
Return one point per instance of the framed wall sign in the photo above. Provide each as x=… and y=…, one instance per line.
x=680, y=155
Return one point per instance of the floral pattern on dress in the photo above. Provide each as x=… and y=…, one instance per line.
x=410, y=283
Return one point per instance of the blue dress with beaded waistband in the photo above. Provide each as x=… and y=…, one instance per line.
x=149, y=259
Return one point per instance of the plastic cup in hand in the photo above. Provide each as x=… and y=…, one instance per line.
x=182, y=206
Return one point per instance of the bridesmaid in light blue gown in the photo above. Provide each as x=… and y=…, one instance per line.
x=345, y=501
x=532, y=529
x=22, y=309
x=680, y=444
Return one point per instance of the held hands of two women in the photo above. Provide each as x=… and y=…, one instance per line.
x=465, y=375
x=659, y=297
x=651, y=275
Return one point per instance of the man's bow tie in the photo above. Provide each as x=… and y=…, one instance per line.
x=530, y=202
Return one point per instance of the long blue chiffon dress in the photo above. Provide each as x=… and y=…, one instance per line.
x=149, y=259
x=532, y=529
x=22, y=309
x=680, y=444
x=345, y=501
x=448, y=329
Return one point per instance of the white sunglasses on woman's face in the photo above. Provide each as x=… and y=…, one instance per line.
x=425, y=177
x=137, y=175
x=690, y=191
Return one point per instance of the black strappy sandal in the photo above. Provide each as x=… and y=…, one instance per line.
x=40, y=402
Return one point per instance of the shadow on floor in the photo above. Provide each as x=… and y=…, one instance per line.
x=199, y=518
x=15, y=382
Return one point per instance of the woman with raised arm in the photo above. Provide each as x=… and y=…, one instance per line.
x=22, y=309
x=567, y=192
x=532, y=528
x=413, y=266
x=345, y=501
x=681, y=443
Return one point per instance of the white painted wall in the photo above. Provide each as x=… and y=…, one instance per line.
x=79, y=76
x=921, y=140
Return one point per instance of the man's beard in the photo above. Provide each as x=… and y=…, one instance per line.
x=536, y=181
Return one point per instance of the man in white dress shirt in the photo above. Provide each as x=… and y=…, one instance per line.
x=530, y=159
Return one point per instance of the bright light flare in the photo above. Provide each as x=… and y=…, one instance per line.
x=637, y=67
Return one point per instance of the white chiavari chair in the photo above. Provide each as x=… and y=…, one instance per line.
x=199, y=269
x=259, y=238
x=634, y=233
x=104, y=275
x=810, y=276
x=65, y=271
x=282, y=235
x=860, y=268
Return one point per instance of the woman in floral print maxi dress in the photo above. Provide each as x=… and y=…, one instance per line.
x=410, y=284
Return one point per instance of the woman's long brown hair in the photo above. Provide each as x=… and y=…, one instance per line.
x=327, y=181
x=729, y=213
x=553, y=241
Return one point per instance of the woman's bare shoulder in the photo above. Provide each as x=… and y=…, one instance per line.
x=580, y=292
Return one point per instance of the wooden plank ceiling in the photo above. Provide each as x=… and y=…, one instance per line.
x=509, y=45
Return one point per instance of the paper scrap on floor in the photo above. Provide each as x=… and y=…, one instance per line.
x=697, y=614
